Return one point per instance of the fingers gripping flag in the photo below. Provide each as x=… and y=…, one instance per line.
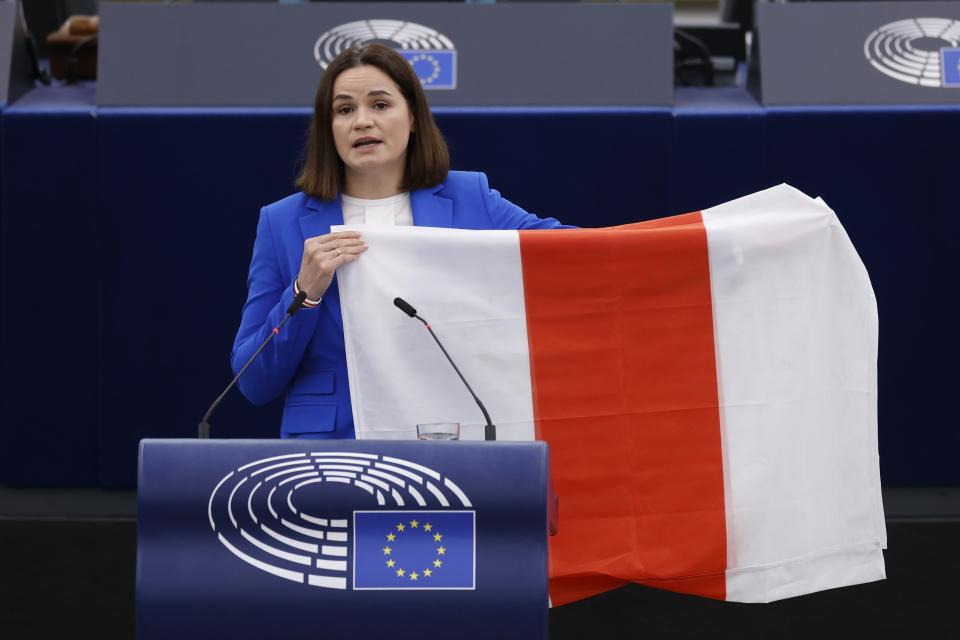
x=706, y=382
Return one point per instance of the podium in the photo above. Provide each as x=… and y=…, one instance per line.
x=342, y=539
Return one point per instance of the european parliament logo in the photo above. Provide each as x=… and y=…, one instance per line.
x=343, y=520
x=924, y=52
x=432, y=54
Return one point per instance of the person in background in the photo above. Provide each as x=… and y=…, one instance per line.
x=374, y=156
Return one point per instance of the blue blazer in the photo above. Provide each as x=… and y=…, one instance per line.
x=306, y=360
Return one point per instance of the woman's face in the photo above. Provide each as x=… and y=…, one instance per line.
x=371, y=122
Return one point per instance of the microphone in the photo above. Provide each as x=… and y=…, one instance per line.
x=203, y=429
x=490, y=430
x=404, y=306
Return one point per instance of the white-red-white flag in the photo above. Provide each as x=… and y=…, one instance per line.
x=706, y=383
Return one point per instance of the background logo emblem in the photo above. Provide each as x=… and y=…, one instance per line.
x=919, y=51
x=432, y=54
x=309, y=517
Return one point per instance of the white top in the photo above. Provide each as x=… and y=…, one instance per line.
x=394, y=211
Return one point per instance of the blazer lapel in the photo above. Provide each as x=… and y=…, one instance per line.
x=431, y=210
x=321, y=216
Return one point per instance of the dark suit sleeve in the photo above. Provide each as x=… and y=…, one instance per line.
x=269, y=296
x=506, y=215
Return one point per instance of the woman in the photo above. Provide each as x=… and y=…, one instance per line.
x=373, y=156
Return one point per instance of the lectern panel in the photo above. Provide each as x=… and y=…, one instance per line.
x=307, y=539
x=859, y=53
x=268, y=54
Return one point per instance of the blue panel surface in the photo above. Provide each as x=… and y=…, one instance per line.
x=138, y=225
x=718, y=148
x=890, y=176
x=306, y=539
x=50, y=289
x=180, y=198
x=586, y=167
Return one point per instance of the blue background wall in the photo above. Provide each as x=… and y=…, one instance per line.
x=126, y=236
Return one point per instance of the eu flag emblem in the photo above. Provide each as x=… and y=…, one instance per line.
x=950, y=64
x=436, y=69
x=414, y=549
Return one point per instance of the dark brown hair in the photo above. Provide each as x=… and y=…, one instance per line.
x=427, y=158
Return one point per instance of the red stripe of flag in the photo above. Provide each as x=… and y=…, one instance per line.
x=620, y=329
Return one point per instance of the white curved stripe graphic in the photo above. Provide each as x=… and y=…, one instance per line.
x=320, y=521
x=272, y=466
x=327, y=581
x=332, y=565
x=364, y=486
x=331, y=550
x=299, y=476
x=271, y=459
x=273, y=511
x=442, y=499
x=280, y=553
x=210, y=502
x=348, y=454
x=310, y=533
x=350, y=461
x=343, y=524
x=253, y=491
x=230, y=501
x=263, y=566
x=290, y=500
x=339, y=474
x=413, y=465
x=377, y=483
x=306, y=482
x=286, y=472
x=395, y=469
x=341, y=467
x=290, y=542
x=387, y=476
x=396, y=497
x=416, y=496
x=457, y=491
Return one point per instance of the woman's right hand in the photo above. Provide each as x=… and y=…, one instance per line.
x=321, y=257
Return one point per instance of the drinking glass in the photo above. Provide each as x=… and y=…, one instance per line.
x=439, y=431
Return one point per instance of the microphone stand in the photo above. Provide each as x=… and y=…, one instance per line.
x=489, y=430
x=203, y=429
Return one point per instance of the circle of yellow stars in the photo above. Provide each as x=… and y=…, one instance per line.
x=414, y=575
x=425, y=57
